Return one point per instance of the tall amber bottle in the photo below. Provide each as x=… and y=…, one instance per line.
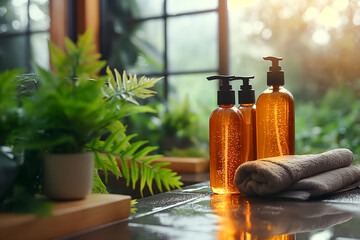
x=248, y=108
x=275, y=116
x=225, y=140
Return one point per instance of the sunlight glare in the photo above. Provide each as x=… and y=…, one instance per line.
x=35, y=13
x=356, y=18
x=311, y=13
x=286, y=12
x=321, y=37
x=266, y=34
x=236, y=4
x=341, y=4
x=329, y=17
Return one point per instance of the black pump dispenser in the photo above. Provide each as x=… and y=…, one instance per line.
x=246, y=94
x=275, y=77
x=226, y=96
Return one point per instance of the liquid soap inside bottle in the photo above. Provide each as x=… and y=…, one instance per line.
x=275, y=123
x=225, y=148
x=226, y=131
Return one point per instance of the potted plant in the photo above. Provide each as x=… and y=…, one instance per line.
x=70, y=113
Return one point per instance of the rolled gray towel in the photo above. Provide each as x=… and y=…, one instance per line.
x=298, y=176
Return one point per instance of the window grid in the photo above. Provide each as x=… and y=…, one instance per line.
x=223, y=63
x=27, y=33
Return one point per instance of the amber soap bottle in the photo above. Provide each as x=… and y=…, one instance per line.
x=247, y=107
x=226, y=134
x=275, y=116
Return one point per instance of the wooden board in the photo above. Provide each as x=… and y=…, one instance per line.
x=186, y=165
x=182, y=164
x=68, y=217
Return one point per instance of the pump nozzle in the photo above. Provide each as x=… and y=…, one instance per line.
x=226, y=96
x=275, y=76
x=275, y=63
x=246, y=94
x=224, y=84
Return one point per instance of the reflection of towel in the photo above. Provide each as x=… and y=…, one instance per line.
x=264, y=217
x=299, y=176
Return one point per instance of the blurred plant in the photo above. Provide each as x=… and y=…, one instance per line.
x=332, y=122
x=176, y=129
x=17, y=179
x=9, y=109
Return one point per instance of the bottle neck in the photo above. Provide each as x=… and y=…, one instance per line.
x=275, y=88
x=226, y=106
x=246, y=105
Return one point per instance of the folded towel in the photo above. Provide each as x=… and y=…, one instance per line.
x=298, y=176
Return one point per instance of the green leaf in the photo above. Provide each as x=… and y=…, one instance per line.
x=131, y=150
x=98, y=185
x=134, y=172
x=125, y=170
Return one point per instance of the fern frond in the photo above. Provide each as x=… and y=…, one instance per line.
x=98, y=185
x=133, y=203
x=128, y=87
x=80, y=59
x=134, y=163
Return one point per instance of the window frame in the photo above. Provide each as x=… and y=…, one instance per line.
x=223, y=40
x=27, y=33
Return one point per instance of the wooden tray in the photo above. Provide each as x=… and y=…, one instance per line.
x=181, y=164
x=186, y=165
x=68, y=217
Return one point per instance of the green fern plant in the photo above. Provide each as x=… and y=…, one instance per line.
x=69, y=112
x=122, y=92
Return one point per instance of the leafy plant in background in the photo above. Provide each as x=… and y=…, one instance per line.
x=9, y=120
x=9, y=110
x=16, y=191
x=332, y=122
x=176, y=129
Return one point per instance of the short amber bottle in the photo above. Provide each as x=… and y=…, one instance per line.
x=225, y=140
x=275, y=116
x=248, y=109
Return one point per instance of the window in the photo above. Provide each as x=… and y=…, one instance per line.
x=165, y=38
x=24, y=27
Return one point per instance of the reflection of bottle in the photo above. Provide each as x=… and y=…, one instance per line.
x=275, y=123
x=236, y=221
x=225, y=140
x=248, y=109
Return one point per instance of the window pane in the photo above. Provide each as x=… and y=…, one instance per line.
x=12, y=53
x=39, y=15
x=193, y=42
x=39, y=49
x=201, y=93
x=149, y=42
x=13, y=16
x=174, y=7
x=146, y=8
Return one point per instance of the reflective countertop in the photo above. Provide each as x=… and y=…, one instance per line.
x=195, y=213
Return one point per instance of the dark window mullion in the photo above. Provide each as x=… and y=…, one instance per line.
x=178, y=72
x=166, y=82
x=22, y=33
x=136, y=20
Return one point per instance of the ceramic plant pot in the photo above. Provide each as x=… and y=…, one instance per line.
x=68, y=176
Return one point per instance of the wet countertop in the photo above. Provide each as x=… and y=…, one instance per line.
x=195, y=213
